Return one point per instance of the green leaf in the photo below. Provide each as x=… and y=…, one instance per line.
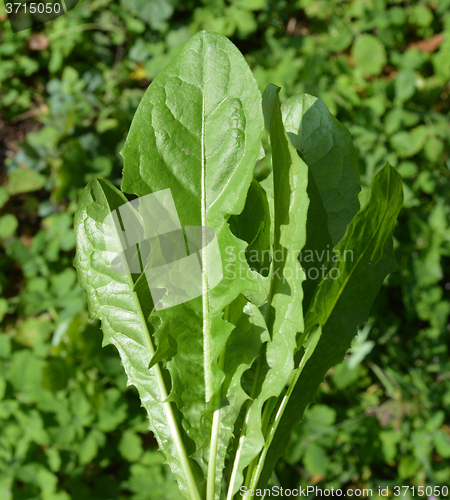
x=409, y=143
x=8, y=225
x=316, y=460
x=152, y=12
x=5, y=340
x=433, y=149
x=130, y=446
x=405, y=85
x=243, y=347
x=318, y=241
x=333, y=180
x=343, y=300
x=149, y=479
x=88, y=448
x=123, y=314
x=286, y=190
x=36, y=474
x=389, y=441
x=113, y=410
x=327, y=148
x=369, y=55
x=442, y=443
x=309, y=347
x=25, y=374
x=23, y=180
x=200, y=112
x=197, y=132
x=408, y=467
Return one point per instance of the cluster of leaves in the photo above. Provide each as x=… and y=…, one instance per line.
x=382, y=67
x=225, y=376
x=70, y=89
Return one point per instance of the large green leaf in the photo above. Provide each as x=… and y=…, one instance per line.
x=327, y=148
x=123, y=314
x=197, y=131
x=333, y=181
x=342, y=302
x=286, y=189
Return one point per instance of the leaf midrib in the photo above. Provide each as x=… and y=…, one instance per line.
x=207, y=341
x=182, y=455
x=207, y=348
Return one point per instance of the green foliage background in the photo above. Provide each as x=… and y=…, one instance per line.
x=69, y=426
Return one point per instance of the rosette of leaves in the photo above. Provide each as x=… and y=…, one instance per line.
x=224, y=377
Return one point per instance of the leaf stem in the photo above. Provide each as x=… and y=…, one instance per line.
x=211, y=480
x=252, y=395
x=178, y=441
x=171, y=420
x=312, y=344
x=254, y=462
x=242, y=439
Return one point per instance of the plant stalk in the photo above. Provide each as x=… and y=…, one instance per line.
x=178, y=441
x=211, y=480
x=256, y=473
x=182, y=455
